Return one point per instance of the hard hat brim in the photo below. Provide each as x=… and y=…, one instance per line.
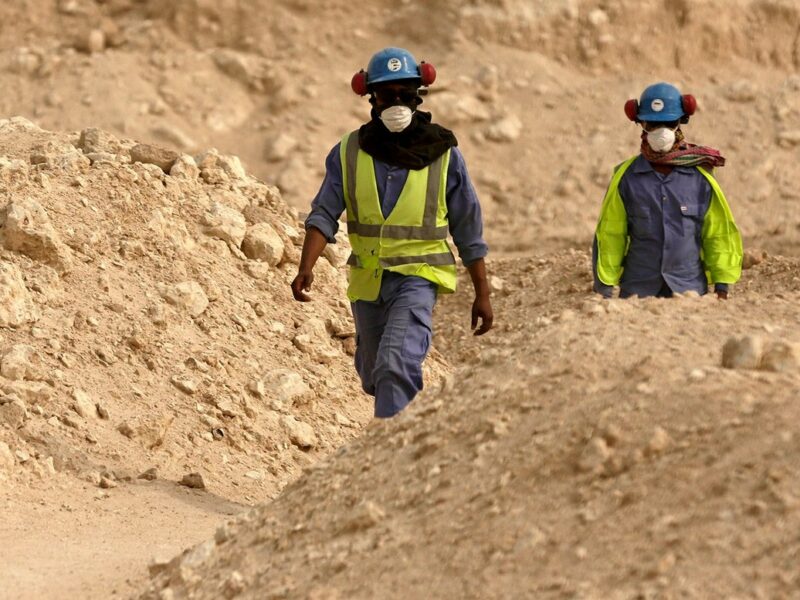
x=394, y=77
x=659, y=117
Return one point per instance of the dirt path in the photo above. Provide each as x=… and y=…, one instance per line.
x=71, y=542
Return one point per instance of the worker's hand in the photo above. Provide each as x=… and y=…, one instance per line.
x=482, y=309
x=721, y=295
x=302, y=283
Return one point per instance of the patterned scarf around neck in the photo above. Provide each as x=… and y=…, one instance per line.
x=683, y=154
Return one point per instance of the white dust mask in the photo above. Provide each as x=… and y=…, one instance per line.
x=396, y=118
x=661, y=139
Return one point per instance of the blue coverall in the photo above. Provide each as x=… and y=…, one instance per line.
x=665, y=223
x=393, y=333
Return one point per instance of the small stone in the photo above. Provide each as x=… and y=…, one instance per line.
x=187, y=296
x=598, y=17
x=184, y=384
x=257, y=388
x=697, y=375
x=781, y=357
x=83, y=404
x=263, y=243
x=16, y=305
x=102, y=412
x=286, y=386
x=742, y=353
x=150, y=474
x=659, y=442
x=92, y=42
x=153, y=155
x=16, y=364
x=255, y=475
x=300, y=434
x=13, y=413
x=185, y=167
x=594, y=456
x=225, y=223
x=194, y=481
x=496, y=284
x=107, y=484
x=751, y=259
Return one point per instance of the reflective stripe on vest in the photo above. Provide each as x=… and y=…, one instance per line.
x=428, y=229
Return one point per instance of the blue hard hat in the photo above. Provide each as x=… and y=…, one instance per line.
x=392, y=64
x=661, y=103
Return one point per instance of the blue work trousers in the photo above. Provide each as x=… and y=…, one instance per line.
x=393, y=335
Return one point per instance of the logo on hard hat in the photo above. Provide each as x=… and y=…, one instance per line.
x=657, y=105
x=394, y=64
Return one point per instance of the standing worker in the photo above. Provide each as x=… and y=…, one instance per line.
x=404, y=185
x=665, y=226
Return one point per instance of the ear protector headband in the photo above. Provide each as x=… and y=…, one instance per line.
x=360, y=83
x=688, y=104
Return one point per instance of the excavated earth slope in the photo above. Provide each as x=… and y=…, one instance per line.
x=589, y=449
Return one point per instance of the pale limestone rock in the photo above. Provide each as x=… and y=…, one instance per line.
x=742, y=353
x=149, y=431
x=218, y=168
x=153, y=155
x=95, y=140
x=13, y=411
x=13, y=171
x=313, y=339
x=25, y=228
x=83, y=404
x=187, y=296
x=32, y=392
x=781, y=357
x=286, y=386
x=594, y=456
x=16, y=305
x=300, y=434
x=262, y=242
x=185, y=167
x=225, y=223
x=17, y=362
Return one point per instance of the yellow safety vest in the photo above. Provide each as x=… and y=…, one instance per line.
x=412, y=240
x=721, y=251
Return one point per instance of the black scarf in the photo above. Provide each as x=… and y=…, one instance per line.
x=417, y=146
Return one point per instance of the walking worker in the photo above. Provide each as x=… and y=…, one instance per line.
x=404, y=186
x=665, y=226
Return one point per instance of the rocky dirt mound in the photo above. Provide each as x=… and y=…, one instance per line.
x=146, y=320
x=593, y=449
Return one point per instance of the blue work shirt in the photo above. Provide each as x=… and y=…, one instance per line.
x=665, y=224
x=463, y=209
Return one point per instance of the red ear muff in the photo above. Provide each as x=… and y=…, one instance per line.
x=359, y=83
x=689, y=104
x=632, y=110
x=427, y=73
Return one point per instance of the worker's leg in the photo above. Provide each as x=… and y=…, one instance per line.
x=370, y=319
x=404, y=344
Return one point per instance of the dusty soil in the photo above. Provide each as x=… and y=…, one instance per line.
x=584, y=449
